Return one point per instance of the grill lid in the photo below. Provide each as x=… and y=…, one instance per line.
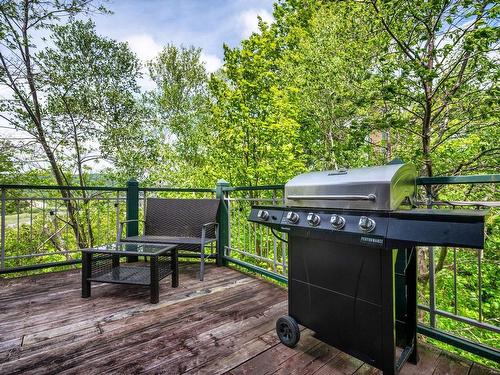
x=372, y=188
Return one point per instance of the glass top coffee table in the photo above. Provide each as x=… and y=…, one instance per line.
x=102, y=264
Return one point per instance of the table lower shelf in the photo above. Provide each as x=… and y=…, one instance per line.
x=135, y=275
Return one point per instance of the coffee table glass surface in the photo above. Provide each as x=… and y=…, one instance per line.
x=131, y=249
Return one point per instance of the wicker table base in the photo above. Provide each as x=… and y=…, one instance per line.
x=103, y=265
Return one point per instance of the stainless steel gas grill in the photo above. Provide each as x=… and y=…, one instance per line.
x=378, y=188
x=352, y=258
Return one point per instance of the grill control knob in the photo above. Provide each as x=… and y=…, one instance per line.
x=366, y=224
x=313, y=219
x=337, y=222
x=292, y=217
x=263, y=215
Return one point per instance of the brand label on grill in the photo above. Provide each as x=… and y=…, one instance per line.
x=371, y=240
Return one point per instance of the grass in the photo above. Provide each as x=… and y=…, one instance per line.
x=11, y=220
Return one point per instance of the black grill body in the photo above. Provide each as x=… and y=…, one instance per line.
x=357, y=290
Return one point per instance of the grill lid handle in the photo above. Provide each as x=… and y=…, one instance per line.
x=369, y=197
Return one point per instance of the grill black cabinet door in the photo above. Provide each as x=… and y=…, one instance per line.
x=345, y=293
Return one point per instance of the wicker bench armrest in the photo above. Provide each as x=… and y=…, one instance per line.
x=211, y=223
x=122, y=224
x=131, y=221
x=204, y=231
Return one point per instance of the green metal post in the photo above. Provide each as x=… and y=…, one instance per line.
x=132, y=211
x=223, y=219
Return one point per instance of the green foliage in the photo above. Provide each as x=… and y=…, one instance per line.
x=90, y=82
x=256, y=124
x=331, y=83
x=326, y=85
x=178, y=112
x=8, y=168
x=440, y=77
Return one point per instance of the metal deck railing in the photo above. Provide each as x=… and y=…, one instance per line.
x=36, y=233
x=37, y=228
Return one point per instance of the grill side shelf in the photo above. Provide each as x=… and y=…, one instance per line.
x=457, y=228
x=455, y=215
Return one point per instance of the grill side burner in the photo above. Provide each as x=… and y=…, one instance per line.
x=352, y=271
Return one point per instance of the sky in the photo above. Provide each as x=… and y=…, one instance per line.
x=150, y=24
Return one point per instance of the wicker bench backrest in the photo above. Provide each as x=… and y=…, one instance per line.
x=180, y=217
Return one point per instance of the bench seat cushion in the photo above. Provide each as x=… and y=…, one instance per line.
x=185, y=243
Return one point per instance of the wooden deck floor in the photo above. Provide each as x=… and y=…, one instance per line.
x=222, y=325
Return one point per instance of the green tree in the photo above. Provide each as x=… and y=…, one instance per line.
x=441, y=76
x=69, y=97
x=90, y=109
x=179, y=113
x=8, y=168
x=256, y=123
x=90, y=83
x=332, y=83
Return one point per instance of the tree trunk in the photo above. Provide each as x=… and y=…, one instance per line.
x=427, y=119
x=441, y=259
x=37, y=120
x=86, y=201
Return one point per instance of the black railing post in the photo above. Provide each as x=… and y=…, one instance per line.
x=223, y=219
x=132, y=211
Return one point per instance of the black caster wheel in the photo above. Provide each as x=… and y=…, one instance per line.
x=288, y=331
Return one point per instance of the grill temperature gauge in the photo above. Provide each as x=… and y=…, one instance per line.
x=313, y=219
x=292, y=217
x=366, y=224
x=337, y=222
x=263, y=215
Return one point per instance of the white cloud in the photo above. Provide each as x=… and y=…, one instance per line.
x=212, y=62
x=143, y=45
x=250, y=23
x=146, y=48
x=5, y=92
x=146, y=83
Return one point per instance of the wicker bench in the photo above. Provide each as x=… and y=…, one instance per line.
x=189, y=223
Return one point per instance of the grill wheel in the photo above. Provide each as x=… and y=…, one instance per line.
x=288, y=331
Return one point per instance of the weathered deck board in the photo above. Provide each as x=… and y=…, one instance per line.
x=222, y=325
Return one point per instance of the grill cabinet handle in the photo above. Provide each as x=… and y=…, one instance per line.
x=369, y=197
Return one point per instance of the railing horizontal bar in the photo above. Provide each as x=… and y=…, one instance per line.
x=196, y=256
x=179, y=190
x=423, y=307
x=65, y=199
x=34, y=255
x=259, y=270
x=450, y=180
x=460, y=203
x=251, y=199
x=253, y=188
x=40, y=266
x=474, y=179
x=105, y=188
x=463, y=319
x=458, y=342
x=78, y=261
x=251, y=255
x=55, y=187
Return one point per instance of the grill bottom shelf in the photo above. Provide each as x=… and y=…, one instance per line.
x=135, y=275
